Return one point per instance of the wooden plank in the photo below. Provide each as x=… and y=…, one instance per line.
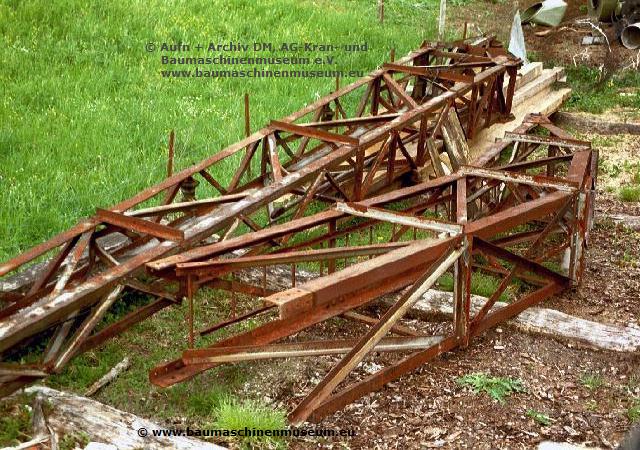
x=185, y=206
x=86, y=328
x=371, y=212
x=455, y=141
x=274, y=160
x=545, y=321
x=227, y=265
x=436, y=162
x=548, y=140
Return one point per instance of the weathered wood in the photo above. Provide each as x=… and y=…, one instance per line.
x=38, y=422
x=109, y=377
x=105, y=424
x=544, y=102
x=627, y=220
x=545, y=80
x=87, y=327
x=23, y=279
x=526, y=74
x=546, y=321
x=33, y=443
x=455, y=141
x=588, y=123
x=436, y=162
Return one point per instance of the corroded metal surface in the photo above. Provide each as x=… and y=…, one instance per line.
x=353, y=186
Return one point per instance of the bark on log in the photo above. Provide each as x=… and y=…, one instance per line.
x=627, y=220
x=594, y=124
x=543, y=321
x=548, y=322
x=102, y=423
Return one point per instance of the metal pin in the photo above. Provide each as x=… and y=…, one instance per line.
x=293, y=275
x=233, y=299
x=190, y=314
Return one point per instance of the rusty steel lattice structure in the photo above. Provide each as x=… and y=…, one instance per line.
x=512, y=213
x=518, y=221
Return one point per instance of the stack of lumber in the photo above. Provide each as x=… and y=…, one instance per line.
x=536, y=93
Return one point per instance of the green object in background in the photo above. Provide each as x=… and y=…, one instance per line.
x=603, y=10
x=549, y=13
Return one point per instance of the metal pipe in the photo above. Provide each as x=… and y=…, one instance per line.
x=630, y=36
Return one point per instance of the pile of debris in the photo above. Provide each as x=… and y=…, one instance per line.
x=627, y=23
x=624, y=16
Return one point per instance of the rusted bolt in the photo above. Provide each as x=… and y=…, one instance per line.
x=188, y=189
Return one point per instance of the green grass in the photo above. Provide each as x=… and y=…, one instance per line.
x=15, y=421
x=539, y=417
x=498, y=388
x=74, y=440
x=85, y=113
x=212, y=399
x=481, y=284
x=630, y=193
x=591, y=381
x=149, y=343
x=234, y=415
x=592, y=95
x=633, y=413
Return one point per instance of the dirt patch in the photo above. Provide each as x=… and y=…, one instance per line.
x=429, y=409
x=563, y=46
x=585, y=394
x=610, y=291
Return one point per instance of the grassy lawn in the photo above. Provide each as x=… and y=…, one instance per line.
x=84, y=120
x=85, y=112
x=590, y=94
